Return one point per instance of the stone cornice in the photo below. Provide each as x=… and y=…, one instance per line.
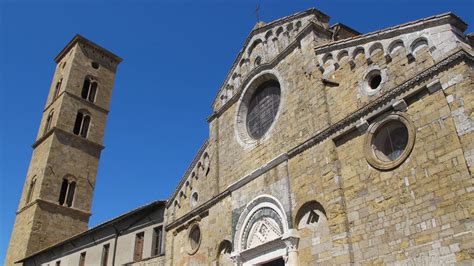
x=238, y=184
x=57, y=130
x=88, y=103
x=196, y=212
x=380, y=101
x=265, y=66
x=59, y=208
x=80, y=39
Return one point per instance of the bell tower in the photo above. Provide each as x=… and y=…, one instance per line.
x=56, y=200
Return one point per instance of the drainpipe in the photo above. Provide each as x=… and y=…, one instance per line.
x=117, y=233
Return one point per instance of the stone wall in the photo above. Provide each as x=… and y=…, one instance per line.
x=60, y=154
x=314, y=159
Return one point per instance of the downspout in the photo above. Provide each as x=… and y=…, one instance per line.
x=117, y=233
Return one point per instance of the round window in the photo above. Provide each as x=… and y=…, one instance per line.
x=373, y=80
x=95, y=65
x=389, y=142
x=194, y=238
x=262, y=108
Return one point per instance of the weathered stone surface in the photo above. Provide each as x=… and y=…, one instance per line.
x=59, y=154
x=308, y=191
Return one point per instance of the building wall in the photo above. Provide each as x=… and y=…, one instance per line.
x=92, y=243
x=415, y=212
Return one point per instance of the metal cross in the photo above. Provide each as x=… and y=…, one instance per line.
x=257, y=12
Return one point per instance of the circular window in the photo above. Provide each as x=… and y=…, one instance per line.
x=95, y=65
x=194, y=238
x=373, y=80
x=262, y=108
x=389, y=142
x=258, y=61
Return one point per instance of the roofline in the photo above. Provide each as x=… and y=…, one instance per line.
x=457, y=21
x=188, y=170
x=261, y=29
x=79, y=38
x=346, y=27
x=98, y=227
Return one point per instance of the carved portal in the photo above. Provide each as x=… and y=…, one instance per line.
x=262, y=234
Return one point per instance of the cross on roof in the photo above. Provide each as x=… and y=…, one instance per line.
x=257, y=12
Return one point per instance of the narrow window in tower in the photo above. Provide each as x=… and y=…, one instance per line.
x=138, y=254
x=70, y=193
x=57, y=89
x=85, y=125
x=31, y=189
x=85, y=88
x=105, y=255
x=81, y=126
x=47, y=126
x=62, y=193
x=58, y=263
x=92, y=92
x=89, y=89
x=78, y=123
x=156, y=247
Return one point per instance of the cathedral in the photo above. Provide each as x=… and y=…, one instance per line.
x=325, y=146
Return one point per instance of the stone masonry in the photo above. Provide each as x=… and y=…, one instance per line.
x=313, y=162
x=366, y=154
x=59, y=154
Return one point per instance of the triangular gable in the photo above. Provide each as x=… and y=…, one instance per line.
x=264, y=43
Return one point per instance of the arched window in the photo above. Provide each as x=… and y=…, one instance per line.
x=312, y=223
x=223, y=253
x=62, y=193
x=206, y=164
x=89, y=89
x=81, y=126
x=47, y=126
x=70, y=193
x=310, y=214
x=58, y=88
x=66, y=195
x=31, y=190
x=194, y=199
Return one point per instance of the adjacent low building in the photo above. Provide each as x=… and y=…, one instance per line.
x=134, y=238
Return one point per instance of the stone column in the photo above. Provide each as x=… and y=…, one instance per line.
x=291, y=240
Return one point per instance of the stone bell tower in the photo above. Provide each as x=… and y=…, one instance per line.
x=57, y=194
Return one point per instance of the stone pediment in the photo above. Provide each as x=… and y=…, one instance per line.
x=264, y=44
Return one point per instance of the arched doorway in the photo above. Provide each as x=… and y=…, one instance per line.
x=262, y=235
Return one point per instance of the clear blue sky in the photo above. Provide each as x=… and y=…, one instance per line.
x=176, y=55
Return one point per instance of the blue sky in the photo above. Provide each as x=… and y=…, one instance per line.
x=176, y=55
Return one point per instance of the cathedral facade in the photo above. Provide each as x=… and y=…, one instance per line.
x=326, y=146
